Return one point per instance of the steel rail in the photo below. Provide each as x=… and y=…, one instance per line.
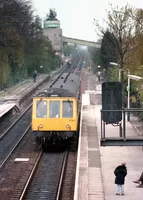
x=31, y=175
x=73, y=65
x=28, y=128
x=62, y=175
x=79, y=65
x=14, y=123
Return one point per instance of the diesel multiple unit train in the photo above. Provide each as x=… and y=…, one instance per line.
x=55, y=111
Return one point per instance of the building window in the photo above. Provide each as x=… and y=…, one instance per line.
x=68, y=109
x=54, y=109
x=41, y=109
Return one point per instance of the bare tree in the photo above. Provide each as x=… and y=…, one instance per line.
x=137, y=15
x=120, y=24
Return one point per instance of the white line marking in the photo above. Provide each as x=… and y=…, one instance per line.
x=21, y=159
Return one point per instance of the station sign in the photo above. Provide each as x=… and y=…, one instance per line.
x=112, y=100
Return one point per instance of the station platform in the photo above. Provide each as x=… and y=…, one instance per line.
x=15, y=93
x=95, y=164
x=12, y=97
x=5, y=108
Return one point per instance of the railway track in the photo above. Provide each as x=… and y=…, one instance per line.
x=14, y=123
x=15, y=133
x=78, y=70
x=45, y=179
x=14, y=172
x=44, y=175
x=68, y=69
x=68, y=182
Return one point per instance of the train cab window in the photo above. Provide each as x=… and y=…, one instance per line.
x=67, y=109
x=41, y=109
x=54, y=109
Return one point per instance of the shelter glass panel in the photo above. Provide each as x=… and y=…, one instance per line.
x=54, y=109
x=67, y=109
x=41, y=109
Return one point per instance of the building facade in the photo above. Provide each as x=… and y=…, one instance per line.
x=53, y=31
x=55, y=36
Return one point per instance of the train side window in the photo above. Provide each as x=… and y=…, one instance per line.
x=54, y=109
x=41, y=109
x=67, y=109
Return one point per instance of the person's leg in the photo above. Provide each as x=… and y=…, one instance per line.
x=34, y=79
x=122, y=189
x=118, y=189
x=140, y=179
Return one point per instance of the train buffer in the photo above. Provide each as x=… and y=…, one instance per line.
x=8, y=107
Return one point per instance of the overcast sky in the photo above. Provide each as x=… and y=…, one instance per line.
x=76, y=16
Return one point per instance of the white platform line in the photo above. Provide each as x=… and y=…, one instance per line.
x=21, y=159
x=85, y=102
x=78, y=161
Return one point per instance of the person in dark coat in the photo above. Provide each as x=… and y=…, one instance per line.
x=34, y=76
x=120, y=173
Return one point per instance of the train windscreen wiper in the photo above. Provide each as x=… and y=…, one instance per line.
x=69, y=103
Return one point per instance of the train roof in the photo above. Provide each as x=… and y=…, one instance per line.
x=66, y=86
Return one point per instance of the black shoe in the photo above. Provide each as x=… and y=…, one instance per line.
x=136, y=181
x=122, y=194
x=140, y=186
x=117, y=194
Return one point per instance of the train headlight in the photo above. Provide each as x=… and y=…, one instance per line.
x=67, y=126
x=40, y=126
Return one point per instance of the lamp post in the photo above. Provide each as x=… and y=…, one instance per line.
x=133, y=77
x=128, y=101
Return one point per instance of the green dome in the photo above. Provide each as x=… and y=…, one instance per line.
x=51, y=24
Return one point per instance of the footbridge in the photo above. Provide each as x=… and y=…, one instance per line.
x=81, y=42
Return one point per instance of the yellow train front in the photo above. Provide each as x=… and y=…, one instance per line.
x=55, y=112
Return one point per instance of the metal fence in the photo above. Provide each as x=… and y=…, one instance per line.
x=119, y=119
